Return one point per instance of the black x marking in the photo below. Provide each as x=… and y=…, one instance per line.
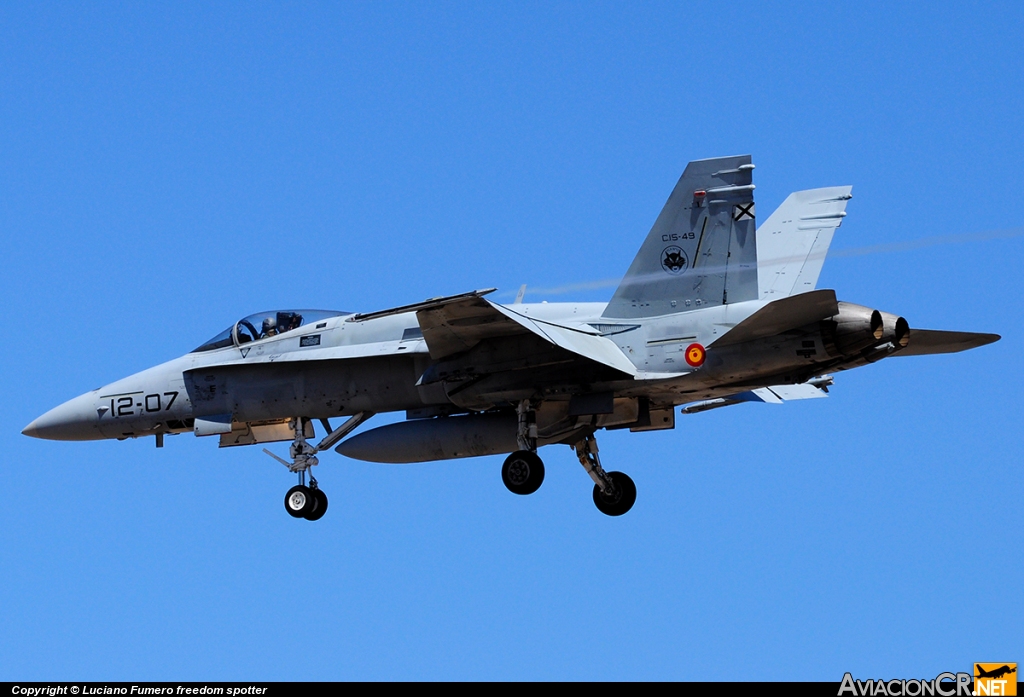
x=744, y=210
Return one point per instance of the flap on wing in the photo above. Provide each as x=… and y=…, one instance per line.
x=925, y=342
x=762, y=394
x=782, y=315
x=776, y=394
x=788, y=393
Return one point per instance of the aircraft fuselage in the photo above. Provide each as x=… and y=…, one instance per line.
x=375, y=365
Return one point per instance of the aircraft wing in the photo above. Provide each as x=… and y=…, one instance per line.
x=454, y=323
x=924, y=342
x=457, y=323
x=589, y=345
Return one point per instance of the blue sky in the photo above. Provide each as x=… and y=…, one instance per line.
x=168, y=168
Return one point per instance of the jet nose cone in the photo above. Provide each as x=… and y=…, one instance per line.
x=75, y=419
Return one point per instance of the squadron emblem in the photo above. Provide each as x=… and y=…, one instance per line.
x=673, y=260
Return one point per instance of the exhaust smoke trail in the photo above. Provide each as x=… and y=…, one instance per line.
x=884, y=248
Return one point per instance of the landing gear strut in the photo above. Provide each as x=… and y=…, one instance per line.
x=302, y=501
x=310, y=502
x=614, y=492
x=523, y=470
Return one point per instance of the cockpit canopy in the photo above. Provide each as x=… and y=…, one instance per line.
x=264, y=325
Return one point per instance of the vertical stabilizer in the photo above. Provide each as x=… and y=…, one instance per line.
x=702, y=249
x=793, y=242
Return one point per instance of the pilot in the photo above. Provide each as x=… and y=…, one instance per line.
x=269, y=327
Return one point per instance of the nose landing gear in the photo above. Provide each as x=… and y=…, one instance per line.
x=302, y=501
x=310, y=502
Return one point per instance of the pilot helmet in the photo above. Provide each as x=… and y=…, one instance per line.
x=268, y=324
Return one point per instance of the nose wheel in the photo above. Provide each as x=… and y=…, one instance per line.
x=299, y=501
x=309, y=502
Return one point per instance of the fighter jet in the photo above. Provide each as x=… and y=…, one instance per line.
x=713, y=311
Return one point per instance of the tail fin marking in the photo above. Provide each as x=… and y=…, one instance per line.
x=702, y=249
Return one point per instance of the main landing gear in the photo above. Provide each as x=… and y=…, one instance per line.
x=523, y=470
x=614, y=492
x=310, y=502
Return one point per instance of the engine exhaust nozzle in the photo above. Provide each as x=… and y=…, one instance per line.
x=854, y=329
x=895, y=330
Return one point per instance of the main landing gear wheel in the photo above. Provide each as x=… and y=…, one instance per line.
x=621, y=499
x=523, y=472
x=299, y=501
x=614, y=492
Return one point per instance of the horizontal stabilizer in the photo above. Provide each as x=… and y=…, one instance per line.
x=924, y=342
x=782, y=315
